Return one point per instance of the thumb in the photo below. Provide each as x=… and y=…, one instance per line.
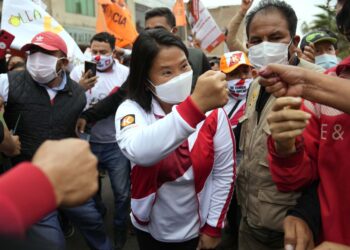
x=299, y=52
x=272, y=69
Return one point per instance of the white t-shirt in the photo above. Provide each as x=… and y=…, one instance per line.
x=104, y=130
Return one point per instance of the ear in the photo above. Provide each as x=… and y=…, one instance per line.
x=174, y=30
x=255, y=73
x=65, y=62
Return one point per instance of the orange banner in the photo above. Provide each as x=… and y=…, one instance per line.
x=115, y=18
x=179, y=13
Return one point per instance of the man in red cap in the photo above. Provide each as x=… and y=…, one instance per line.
x=44, y=103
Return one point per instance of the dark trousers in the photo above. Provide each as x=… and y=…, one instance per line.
x=262, y=239
x=87, y=219
x=147, y=242
x=112, y=159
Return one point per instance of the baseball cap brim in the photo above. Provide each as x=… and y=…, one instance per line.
x=326, y=39
x=41, y=45
x=232, y=68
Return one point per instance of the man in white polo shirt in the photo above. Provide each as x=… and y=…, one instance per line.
x=110, y=76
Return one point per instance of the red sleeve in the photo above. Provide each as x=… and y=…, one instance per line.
x=211, y=231
x=26, y=195
x=298, y=170
x=190, y=112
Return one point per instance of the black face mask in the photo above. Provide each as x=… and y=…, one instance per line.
x=343, y=20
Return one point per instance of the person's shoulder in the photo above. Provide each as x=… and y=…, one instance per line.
x=121, y=67
x=127, y=104
x=16, y=78
x=78, y=68
x=77, y=71
x=308, y=65
x=74, y=86
x=194, y=52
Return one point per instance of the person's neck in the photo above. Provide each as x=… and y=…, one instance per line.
x=55, y=82
x=166, y=107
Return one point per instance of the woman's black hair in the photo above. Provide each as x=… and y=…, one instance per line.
x=145, y=49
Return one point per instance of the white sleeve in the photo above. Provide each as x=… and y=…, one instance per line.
x=76, y=73
x=4, y=86
x=224, y=173
x=144, y=143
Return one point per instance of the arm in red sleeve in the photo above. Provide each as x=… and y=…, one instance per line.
x=26, y=195
x=300, y=169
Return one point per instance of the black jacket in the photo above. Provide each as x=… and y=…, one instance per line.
x=308, y=209
x=36, y=119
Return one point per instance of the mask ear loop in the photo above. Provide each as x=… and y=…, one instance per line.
x=295, y=55
x=58, y=73
x=150, y=89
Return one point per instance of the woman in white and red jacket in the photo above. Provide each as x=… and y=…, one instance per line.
x=181, y=148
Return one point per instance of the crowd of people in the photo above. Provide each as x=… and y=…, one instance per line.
x=251, y=144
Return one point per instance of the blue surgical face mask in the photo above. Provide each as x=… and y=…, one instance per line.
x=326, y=61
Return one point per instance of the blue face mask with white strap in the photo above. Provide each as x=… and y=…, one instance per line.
x=326, y=61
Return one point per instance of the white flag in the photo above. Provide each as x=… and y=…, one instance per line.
x=40, y=3
x=204, y=26
x=24, y=19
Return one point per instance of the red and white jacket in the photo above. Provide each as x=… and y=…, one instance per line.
x=183, y=168
x=321, y=154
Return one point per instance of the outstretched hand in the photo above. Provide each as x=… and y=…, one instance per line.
x=282, y=80
x=245, y=5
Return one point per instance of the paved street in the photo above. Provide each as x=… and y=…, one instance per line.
x=77, y=241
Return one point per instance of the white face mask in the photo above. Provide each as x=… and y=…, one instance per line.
x=103, y=62
x=175, y=90
x=326, y=61
x=266, y=52
x=42, y=67
x=239, y=88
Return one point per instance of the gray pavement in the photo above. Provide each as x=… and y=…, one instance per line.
x=76, y=242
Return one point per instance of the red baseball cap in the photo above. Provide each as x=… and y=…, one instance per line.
x=47, y=40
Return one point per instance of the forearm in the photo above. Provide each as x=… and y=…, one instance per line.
x=293, y=172
x=224, y=173
x=232, y=42
x=23, y=185
x=327, y=90
x=105, y=108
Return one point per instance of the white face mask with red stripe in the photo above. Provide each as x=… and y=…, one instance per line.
x=103, y=61
x=239, y=88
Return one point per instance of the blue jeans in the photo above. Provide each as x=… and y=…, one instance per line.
x=85, y=217
x=112, y=159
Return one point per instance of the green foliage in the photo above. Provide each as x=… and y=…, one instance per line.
x=326, y=20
